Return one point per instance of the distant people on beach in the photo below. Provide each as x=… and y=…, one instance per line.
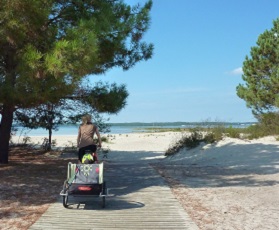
x=85, y=138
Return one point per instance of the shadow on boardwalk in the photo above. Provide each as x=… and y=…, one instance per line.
x=123, y=179
x=140, y=199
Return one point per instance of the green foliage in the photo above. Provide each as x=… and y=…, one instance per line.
x=47, y=47
x=103, y=139
x=219, y=131
x=50, y=116
x=270, y=121
x=210, y=137
x=233, y=132
x=54, y=44
x=67, y=111
x=261, y=73
x=107, y=98
x=26, y=140
x=215, y=133
x=200, y=135
x=268, y=125
x=186, y=141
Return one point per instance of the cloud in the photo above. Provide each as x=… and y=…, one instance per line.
x=237, y=71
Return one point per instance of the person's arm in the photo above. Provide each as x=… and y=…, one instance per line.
x=99, y=137
x=78, y=137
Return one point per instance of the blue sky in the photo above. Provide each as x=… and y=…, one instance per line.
x=200, y=46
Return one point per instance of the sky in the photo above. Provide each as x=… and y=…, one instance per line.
x=199, y=49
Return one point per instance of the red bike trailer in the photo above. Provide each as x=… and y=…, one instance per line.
x=84, y=180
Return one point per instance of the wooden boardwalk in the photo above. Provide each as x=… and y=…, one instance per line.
x=140, y=200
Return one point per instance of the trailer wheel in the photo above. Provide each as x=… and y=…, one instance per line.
x=104, y=191
x=65, y=201
x=65, y=197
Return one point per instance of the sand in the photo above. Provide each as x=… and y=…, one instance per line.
x=232, y=184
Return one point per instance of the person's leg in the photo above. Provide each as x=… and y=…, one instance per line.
x=93, y=149
x=81, y=153
x=95, y=157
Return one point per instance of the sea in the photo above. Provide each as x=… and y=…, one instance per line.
x=125, y=128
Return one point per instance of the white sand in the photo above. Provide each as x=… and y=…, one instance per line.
x=230, y=152
x=233, y=184
x=123, y=147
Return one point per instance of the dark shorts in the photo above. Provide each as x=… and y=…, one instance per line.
x=81, y=151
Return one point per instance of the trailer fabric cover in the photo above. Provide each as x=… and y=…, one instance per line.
x=86, y=173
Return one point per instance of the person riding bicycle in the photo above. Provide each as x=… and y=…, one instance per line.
x=85, y=141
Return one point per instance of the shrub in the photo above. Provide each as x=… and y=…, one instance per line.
x=233, y=132
x=187, y=141
x=207, y=135
x=25, y=140
x=209, y=138
x=268, y=125
x=104, y=139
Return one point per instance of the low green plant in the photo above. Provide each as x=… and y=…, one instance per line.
x=209, y=138
x=26, y=139
x=198, y=135
x=104, y=139
x=233, y=132
x=268, y=125
x=187, y=141
x=54, y=142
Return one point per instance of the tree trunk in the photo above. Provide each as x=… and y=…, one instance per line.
x=50, y=115
x=49, y=139
x=5, y=133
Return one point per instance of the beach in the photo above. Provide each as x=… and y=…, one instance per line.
x=231, y=184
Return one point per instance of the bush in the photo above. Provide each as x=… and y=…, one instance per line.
x=187, y=141
x=104, y=139
x=199, y=135
x=268, y=125
x=209, y=138
x=233, y=132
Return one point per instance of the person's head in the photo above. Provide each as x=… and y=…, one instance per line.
x=88, y=117
x=84, y=120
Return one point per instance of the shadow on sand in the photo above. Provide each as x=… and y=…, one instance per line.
x=228, y=165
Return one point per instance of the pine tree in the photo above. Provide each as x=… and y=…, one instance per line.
x=102, y=98
x=261, y=74
x=48, y=46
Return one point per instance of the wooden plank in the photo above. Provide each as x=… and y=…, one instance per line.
x=141, y=201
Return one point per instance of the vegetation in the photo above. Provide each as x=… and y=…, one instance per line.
x=261, y=73
x=268, y=125
x=260, y=91
x=107, y=98
x=48, y=47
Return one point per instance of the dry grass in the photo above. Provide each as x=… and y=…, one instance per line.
x=29, y=184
